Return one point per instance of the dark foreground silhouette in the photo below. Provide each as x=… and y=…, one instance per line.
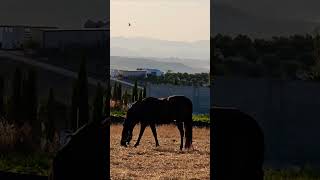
x=151, y=111
x=14, y=176
x=85, y=156
x=238, y=145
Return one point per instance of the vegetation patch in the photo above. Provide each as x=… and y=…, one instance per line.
x=304, y=173
x=35, y=163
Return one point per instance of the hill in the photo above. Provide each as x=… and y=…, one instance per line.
x=127, y=63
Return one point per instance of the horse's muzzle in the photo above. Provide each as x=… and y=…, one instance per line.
x=123, y=143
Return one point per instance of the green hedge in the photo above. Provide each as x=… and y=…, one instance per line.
x=198, y=119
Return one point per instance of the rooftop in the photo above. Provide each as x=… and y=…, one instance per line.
x=27, y=26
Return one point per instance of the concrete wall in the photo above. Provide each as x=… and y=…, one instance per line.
x=288, y=112
x=200, y=96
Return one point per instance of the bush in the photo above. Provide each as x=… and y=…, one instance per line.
x=8, y=136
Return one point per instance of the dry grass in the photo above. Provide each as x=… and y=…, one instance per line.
x=164, y=162
x=8, y=136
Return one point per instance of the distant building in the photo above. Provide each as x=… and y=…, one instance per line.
x=114, y=73
x=62, y=38
x=127, y=73
x=15, y=36
x=153, y=72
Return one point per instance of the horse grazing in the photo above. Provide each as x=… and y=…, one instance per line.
x=151, y=111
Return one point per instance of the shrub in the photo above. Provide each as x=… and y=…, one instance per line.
x=8, y=136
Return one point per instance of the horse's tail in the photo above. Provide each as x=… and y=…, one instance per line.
x=188, y=132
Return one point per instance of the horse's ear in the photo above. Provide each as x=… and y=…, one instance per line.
x=105, y=122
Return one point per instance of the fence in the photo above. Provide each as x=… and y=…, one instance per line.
x=200, y=96
x=288, y=112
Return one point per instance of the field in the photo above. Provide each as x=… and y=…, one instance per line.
x=164, y=162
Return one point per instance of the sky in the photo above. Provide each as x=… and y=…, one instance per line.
x=173, y=20
x=306, y=10
x=61, y=13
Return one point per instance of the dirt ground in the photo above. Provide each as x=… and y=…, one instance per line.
x=164, y=162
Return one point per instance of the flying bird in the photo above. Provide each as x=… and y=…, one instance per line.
x=129, y=24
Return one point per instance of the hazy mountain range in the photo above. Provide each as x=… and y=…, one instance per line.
x=148, y=47
x=227, y=19
x=132, y=53
x=131, y=63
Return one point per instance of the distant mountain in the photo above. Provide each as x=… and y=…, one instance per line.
x=229, y=20
x=146, y=47
x=127, y=63
x=194, y=63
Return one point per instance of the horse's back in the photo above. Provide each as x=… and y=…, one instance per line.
x=82, y=157
x=238, y=144
x=161, y=110
x=180, y=106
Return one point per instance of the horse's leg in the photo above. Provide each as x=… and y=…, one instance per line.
x=180, y=127
x=154, y=131
x=143, y=127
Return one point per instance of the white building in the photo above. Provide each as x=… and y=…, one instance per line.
x=114, y=73
x=14, y=36
x=127, y=73
x=154, y=72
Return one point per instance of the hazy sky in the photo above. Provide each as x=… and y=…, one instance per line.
x=175, y=20
x=61, y=13
x=307, y=10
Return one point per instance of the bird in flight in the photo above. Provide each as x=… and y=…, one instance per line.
x=129, y=24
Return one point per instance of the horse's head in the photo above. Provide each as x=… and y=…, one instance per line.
x=126, y=132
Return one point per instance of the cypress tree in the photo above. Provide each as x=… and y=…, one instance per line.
x=2, y=109
x=125, y=98
x=15, y=110
x=107, y=96
x=106, y=106
x=115, y=92
x=50, y=124
x=83, y=95
x=140, y=97
x=98, y=105
x=29, y=98
x=74, y=107
x=32, y=106
x=135, y=92
x=119, y=92
x=144, y=92
x=25, y=98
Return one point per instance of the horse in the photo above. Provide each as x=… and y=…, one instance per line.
x=152, y=111
x=238, y=145
x=85, y=155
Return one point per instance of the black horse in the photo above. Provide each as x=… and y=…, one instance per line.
x=85, y=156
x=238, y=145
x=151, y=111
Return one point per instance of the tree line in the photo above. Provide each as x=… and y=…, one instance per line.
x=291, y=57
x=22, y=107
x=182, y=79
